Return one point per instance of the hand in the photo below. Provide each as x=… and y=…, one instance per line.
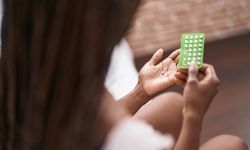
x=199, y=94
x=181, y=77
x=157, y=75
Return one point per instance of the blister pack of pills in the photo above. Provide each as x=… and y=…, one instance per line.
x=192, y=49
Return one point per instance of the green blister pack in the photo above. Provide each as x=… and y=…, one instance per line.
x=192, y=49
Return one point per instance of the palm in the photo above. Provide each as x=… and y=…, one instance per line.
x=156, y=78
x=156, y=75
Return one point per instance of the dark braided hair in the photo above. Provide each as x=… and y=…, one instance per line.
x=55, y=54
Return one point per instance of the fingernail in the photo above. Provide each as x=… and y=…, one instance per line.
x=193, y=63
x=191, y=66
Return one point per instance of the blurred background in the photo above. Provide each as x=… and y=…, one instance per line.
x=226, y=23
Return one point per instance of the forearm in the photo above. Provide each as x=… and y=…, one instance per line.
x=190, y=133
x=135, y=99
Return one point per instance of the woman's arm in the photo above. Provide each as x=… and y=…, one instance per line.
x=198, y=97
x=189, y=137
x=155, y=76
x=135, y=99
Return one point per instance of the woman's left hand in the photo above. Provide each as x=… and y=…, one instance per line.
x=156, y=75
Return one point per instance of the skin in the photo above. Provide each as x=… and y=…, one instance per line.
x=183, y=114
x=153, y=81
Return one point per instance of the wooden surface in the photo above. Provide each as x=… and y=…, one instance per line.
x=230, y=111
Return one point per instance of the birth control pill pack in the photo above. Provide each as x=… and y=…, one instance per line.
x=192, y=49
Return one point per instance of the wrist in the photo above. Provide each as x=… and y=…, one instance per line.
x=141, y=93
x=134, y=100
x=192, y=116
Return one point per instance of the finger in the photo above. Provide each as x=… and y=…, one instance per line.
x=176, y=61
x=204, y=67
x=156, y=58
x=167, y=61
x=192, y=73
x=200, y=76
x=172, y=58
x=180, y=82
x=171, y=68
x=180, y=75
x=208, y=74
x=202, y=73
x=213, y=72
x=174, y=54
x=184, y=71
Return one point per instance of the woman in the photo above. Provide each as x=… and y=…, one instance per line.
x=54, y=58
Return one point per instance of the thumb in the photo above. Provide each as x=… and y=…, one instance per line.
x=156, y=58
x=192, y=73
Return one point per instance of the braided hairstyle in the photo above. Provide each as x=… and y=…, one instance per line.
x=55, y=54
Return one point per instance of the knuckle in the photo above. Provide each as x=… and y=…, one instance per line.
x=217, y=89
x=208, y=65
x=156, y=58
x=192, y=82
x=211, y=66
x=216, y=81
x=193, y=72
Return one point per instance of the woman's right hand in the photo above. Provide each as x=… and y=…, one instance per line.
x=199, y=94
